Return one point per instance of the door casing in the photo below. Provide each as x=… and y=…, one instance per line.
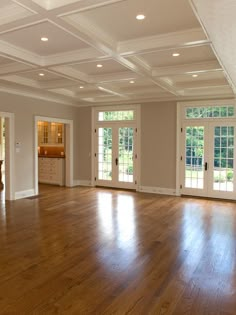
x=137, y=125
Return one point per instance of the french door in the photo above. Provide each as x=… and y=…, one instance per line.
x=208, y=159
x=115, y=155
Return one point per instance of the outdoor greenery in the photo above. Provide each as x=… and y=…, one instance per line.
x=210, y=111
x=125, y=149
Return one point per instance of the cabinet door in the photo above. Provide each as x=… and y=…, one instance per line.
x=43, y=132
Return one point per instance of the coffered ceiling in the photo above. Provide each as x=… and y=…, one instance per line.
x=97, y=52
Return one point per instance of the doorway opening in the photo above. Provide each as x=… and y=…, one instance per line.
x=53, y=151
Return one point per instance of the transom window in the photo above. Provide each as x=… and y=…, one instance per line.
x=116, y=115
x=209, y=112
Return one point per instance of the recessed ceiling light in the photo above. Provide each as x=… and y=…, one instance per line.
x=140, y=17
x=175, y=54
x=41, y=74
x=131, y=81
x=99, y=66
x=195, y=75
x=44, y=39
x=81, y=87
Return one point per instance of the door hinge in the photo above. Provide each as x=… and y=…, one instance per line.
x=136, y=156
x=135, y=182
x=136, y=129
x=95, y=154
x=95, y=178
x=95, y=130
x=181, y=129
x=181, y=186
x=181, y=158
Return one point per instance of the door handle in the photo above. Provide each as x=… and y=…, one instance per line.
x=206, y=166
x=116, y=160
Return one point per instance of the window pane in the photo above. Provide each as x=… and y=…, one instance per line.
x=116, y=115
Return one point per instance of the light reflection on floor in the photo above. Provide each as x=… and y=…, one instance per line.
x=116, y=219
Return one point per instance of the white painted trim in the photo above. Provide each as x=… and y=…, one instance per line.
x=138, y=146
x=178, y=149
x=137, y=124
x=208, y=102
x=10, y=180
x=181, y=121
x=69, y=149
x=81, y=182
x=24, y=194
x=187, y=38
x=157, y=190
x=93, y=146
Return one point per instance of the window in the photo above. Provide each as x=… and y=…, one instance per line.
x=116, y=115
x=209, y=112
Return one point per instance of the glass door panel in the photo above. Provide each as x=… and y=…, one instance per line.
x=194, y=157
x=105, y=154
x=126, y=153
x=223, y=160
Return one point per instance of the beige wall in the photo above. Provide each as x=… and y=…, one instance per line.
x=158, y=140
x=25, y=109
x=158, y=145
x=83, y=142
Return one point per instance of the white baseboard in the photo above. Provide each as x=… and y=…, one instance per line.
x=78, y=182
x=24, y=194
x=157, y=190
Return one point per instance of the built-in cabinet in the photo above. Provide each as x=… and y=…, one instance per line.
x=51, y=170
x=50, y=133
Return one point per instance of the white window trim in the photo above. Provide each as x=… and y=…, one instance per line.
x=136, y=121
x=181, y=106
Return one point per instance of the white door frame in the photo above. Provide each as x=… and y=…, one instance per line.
x=68, y=148
x=137, y=122
x=180, y=121
x=9, y=155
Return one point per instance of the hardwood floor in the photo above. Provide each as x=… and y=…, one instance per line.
x=100, y=251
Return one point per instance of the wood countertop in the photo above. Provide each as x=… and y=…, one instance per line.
x=51, y=156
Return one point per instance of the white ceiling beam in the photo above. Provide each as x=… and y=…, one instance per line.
x=180, y=39
x=81, y=55
x=20, y=54
x=15, y=67
x=72, y=73
x=186, y=69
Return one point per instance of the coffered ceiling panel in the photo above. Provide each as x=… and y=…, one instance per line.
x=11, y=11
x=100, y=67
x=29, y=38
x=207, y=77
x=5, y=61
x=119, y=19
x=186, y=56
x=40, y=75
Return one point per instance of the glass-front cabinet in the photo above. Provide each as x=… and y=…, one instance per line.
x=50, y=133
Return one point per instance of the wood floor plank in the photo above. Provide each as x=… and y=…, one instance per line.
x=100, y=251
